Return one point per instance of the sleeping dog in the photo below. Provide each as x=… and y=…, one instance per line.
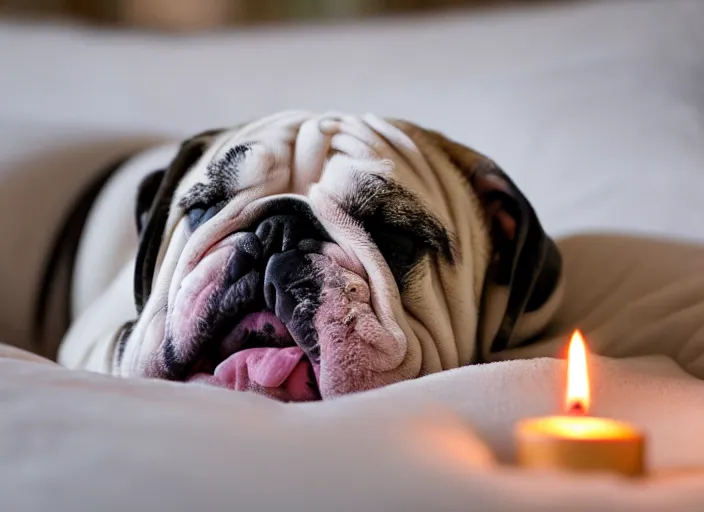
x=306, y=256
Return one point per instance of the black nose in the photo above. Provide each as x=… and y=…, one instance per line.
x=279, y=233
x=248, y=251
x=282, y=271
x=283, y=232
x=292, y=285
x=286, y=235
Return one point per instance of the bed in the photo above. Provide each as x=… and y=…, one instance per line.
x=594, y=108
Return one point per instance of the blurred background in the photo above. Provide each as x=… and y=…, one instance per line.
x=595, y=108
x=209, y=14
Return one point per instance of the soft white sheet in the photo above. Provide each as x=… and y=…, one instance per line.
x=596, y=111
x=75, y=441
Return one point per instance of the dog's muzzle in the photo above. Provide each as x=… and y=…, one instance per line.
x=280, y=309
x=244, y=316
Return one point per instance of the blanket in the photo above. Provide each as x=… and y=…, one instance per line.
x=74, y=440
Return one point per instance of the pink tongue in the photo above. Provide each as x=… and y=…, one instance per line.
x=268, y=367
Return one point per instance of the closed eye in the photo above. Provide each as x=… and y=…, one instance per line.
x=204, y=200
x=400, y=249
x=200, y=213
x=401, y=227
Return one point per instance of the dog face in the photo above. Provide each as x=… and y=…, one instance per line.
x=305, y=257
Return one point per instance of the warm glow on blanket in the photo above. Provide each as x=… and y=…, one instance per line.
x=576, y=441
x=577, y=397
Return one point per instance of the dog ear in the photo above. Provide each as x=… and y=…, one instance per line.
x=526, y=260
x=148, y=188
x=523, y=285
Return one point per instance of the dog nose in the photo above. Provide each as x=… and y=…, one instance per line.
x=280, y=233
x=283, y=269
x=244, y=258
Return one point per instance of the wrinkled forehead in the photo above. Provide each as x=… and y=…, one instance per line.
x=221, y=162
x=355, y=174
x=363, y=173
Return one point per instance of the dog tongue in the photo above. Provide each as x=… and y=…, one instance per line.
x=268, y=367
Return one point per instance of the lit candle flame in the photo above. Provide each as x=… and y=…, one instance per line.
x=577, y=398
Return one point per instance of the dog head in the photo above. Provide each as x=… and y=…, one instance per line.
x=306, y=256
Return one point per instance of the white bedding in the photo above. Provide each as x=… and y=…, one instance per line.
x=596, y=111
x=73, y=441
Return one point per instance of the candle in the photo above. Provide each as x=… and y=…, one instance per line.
x=575, y=441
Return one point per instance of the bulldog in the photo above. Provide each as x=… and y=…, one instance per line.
x=303, y=257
